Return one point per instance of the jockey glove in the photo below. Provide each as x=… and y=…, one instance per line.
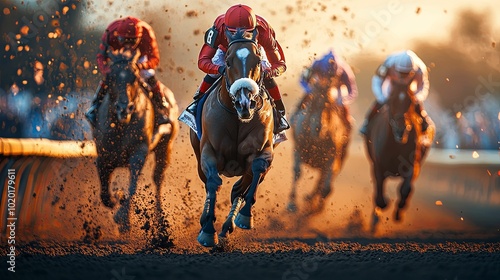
x=271, y=73
x=140, y=66
x=221, y=69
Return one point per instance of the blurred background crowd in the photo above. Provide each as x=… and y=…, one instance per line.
x=48, y=72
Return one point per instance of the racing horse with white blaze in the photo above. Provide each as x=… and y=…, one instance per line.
x=236, y=139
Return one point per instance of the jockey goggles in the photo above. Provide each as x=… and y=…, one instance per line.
x=248, y=34
x=128, y=40
x=405, y=75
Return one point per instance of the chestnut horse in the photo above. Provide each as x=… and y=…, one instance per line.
x=236, y=140
x=321, y=133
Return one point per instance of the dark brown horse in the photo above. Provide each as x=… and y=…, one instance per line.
x=393, y=146
x=321, y=134
x=124, y=135
x=237, y=139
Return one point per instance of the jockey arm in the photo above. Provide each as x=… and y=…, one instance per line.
x=304, y=80
x=214, y=39
x=422, y=79
x=347, y=78
x=377, y=81
x=205, y=63
x=274, y=52
x=148, y=46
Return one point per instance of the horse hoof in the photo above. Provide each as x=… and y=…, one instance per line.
x=208, y=239
x=123, y=228
x=122, y=219
x=292, y=207
x=398, y=216
x=227, y=228
x=244, y=222
x=381, y=203
x=106, y=201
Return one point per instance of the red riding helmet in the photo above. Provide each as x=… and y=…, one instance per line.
x=240, y=16
x=129, y=31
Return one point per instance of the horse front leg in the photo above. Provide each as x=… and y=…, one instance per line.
x=380, y=200
x=323, y=189
x=160, y=167
x=292, y=204
x=404, y=192
x=240, y=187
x=105, y=171
x=136, y=162
x=244, y=219
x=208, y=236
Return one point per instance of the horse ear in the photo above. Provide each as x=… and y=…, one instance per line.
x=230, y=37
x=255, y=33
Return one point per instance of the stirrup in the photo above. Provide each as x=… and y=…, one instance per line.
x=283, y=124
x=91, y=115
x=163, y=119
x=191, y=108
x=364, y=129
x=197, y=95
x=279, y=137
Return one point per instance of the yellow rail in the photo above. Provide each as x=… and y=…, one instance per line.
x=46, y=147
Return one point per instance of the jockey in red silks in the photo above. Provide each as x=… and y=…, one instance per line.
x=403, y=68
x=132, y=34
x=211, y=58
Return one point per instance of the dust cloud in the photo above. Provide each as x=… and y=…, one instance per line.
x=68, y=205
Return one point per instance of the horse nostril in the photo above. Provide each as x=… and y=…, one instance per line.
x=253, y=104
x=237, y=105
x=121, y=108
x=130, y=108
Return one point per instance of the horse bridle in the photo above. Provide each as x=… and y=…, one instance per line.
x=397, y=117
x=137, y=80
x=261, y=78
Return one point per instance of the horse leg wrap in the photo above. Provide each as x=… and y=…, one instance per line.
x=259, y=166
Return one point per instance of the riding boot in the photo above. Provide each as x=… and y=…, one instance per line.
x=191, y=108
x=372, y=112
x=282, y=123
x=91, y=113
x=206, y=84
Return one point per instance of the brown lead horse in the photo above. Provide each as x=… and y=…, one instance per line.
x=236, y=140
x=321, y=134
x=394, y=148
x=124, y=134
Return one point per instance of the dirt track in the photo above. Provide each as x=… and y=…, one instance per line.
x=299, y=259
x=60, y=210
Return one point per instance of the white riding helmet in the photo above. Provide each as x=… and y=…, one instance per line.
x=404, y=63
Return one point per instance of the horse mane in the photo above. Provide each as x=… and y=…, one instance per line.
x=124, y=57
x=238, y=36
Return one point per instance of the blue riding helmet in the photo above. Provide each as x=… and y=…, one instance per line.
x=326, y=65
